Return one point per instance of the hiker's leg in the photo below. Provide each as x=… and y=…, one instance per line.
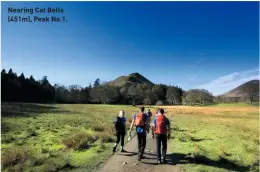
x=164, y=146
x=117, y=138
x=158, y=146
x=138, y=142
x=117, y=141
x=139, y=138
x=144, y=142
x=122, y=140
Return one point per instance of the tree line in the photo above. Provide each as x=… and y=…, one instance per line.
x=19, y=88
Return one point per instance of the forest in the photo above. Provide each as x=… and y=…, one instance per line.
x=22, y=89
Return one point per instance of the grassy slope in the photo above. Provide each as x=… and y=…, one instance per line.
x=219, y=138
x=200, y=136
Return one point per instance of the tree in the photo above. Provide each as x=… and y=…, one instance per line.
x=44, y=81
x=75, y=93
x=3, y=71
x=150, y=97
x=96, y=83
x=10, y=72
x=251, y=92
x=104, y=94
x=22, y=77
x=25, y=90
x=147, y=101
x=174, y=94
x=198, y=96
x=85, y=95
x=32, y=79
x=160, y=91
x=133, y=93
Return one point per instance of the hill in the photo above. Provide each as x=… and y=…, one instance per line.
x=240, y=91
x=134, y=78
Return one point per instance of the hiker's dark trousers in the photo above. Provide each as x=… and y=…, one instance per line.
x=120, y=136
x=161, y=139
x=141, y=144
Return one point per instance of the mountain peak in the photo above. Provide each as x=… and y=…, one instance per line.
x=133, y=78
x=239, y=91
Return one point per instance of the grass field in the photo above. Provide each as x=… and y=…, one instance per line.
x=71, y=137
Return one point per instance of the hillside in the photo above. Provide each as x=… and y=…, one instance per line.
x=134, y=78
x=239, y=91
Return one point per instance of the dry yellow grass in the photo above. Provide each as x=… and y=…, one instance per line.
x=208, y=110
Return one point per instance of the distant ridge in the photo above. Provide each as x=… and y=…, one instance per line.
x=133, y=78
x=239, y=91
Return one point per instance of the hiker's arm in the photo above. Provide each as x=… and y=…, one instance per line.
x=131, y=126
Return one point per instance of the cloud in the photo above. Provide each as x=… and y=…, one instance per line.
x=228, y=82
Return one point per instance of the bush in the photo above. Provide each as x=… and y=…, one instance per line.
x=98, y=128
x=81, y=140
x=14, y=156
x=106, y=138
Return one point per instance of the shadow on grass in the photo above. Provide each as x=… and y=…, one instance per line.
x=177, y=158
x=27, y=109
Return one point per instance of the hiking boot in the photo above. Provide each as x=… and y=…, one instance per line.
x=164, y=161
x=122, y=150
x=114, y=149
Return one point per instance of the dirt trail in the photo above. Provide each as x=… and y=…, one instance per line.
x=127, y=162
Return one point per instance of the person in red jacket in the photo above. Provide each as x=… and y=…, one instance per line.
x=161, y=129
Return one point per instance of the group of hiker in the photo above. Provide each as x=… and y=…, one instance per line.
x=143, y=122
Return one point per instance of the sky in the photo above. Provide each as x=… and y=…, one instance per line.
x=210, y=45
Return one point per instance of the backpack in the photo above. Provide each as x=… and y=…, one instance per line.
x=160, y=127
x=119, y=125
x=139, y=120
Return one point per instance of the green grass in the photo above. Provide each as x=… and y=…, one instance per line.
x=220, y=142
x=57, y=137
x=78, y=137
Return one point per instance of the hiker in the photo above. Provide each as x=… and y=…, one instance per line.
x=140, y=121
x=161, y=129
x=149, y=117
x=157, y=111
x=120, y=128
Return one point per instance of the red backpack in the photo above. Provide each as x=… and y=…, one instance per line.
x=160, y=127
x=139, y=119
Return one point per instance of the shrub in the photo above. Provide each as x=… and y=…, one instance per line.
x=106, y=138
x=80, y=140
x=14, y=156
x=98, y=128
